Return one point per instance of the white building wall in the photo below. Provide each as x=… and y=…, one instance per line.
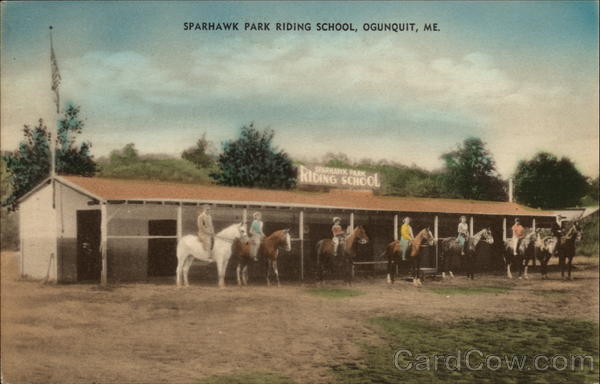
x=38, y=235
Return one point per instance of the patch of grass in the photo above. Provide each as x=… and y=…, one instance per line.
x=506, y=338
x=469, y=290
x=248, y=378
x=335, y=293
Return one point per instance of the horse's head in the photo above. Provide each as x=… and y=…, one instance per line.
x=487, y=236
x=578, y=231
x=285, y=239
x=243, y=232
x=427, y=236
x=361, y=235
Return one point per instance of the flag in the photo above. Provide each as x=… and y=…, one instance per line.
x=55, y=75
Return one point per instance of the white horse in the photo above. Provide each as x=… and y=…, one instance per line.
x=190, y=248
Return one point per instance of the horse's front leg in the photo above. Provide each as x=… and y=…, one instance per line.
x=508, y=263
x=390, y=270
x=238, y=272
x=178, y=272
x=221, y=266
x=245, y=274
x=561, y=262
x=276, y=272
x=525, y=268
x=187, y=263
x=269, y=272
x=570, y=262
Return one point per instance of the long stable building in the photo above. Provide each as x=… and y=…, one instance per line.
x=93, y=229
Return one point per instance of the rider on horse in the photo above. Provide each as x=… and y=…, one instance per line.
x=338, y=234
x=256, y=234
x=406, y=236
x=518, y=233
x=463, y=234
x=206, y=231
x=557, y=226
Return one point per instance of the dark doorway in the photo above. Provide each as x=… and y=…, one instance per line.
x=162, y=253
x=88, y=245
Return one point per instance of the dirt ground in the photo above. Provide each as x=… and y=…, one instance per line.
x=150, y=333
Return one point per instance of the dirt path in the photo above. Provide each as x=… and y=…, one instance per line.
x=149, y=333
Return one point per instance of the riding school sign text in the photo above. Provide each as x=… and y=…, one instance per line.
x=338, y=177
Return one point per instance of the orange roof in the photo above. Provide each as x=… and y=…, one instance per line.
x=120, y=189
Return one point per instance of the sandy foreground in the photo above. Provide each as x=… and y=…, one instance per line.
x=154, y=332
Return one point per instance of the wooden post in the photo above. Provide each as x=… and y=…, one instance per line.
x=351, y=221
x=435, y=235
x=245, y=215
x=395, y=227
x=103, y=243
x=179, y=221
x=301, y=236
x=533, y=223
x=471, y=226
x=504, y=229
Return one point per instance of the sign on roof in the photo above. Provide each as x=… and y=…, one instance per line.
x=338, y=177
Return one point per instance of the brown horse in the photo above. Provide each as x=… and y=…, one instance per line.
x=347, y=250
x=269, y=248
x=394, y=254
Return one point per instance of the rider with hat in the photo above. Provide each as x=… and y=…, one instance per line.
x=338, y=234
x=406, y=236
x=206, y=231
x=518, y=233
x=463, y=234
x=256, y=234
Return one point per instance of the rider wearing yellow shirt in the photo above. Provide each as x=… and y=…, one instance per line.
x=406, y=236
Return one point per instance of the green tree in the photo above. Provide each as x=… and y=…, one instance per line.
x=470, y=173
x=127, y=163
x=9, y=221
x=200, y=153
x=30, y=163
x=548, y=182
x=70, y=158
x=591, y=197
x=252, y=161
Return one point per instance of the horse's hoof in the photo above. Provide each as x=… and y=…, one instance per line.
x=389, y=280
x=451, y=275
x=444, y=275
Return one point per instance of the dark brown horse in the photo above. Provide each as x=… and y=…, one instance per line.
x=346, y=253
x=269, y=249
x=566, y=248
x=450, y=247
x=394, y=255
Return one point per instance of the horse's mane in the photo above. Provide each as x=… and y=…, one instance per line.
x=227, y=229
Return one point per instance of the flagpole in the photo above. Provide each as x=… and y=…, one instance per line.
x=54, y=87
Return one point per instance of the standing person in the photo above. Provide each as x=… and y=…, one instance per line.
x=206, y=231
x=256, y=234
x=337, y=233
x=406, y=236
x=463, y=234
x=518, y=232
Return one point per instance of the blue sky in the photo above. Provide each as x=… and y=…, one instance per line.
x=523, y=76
